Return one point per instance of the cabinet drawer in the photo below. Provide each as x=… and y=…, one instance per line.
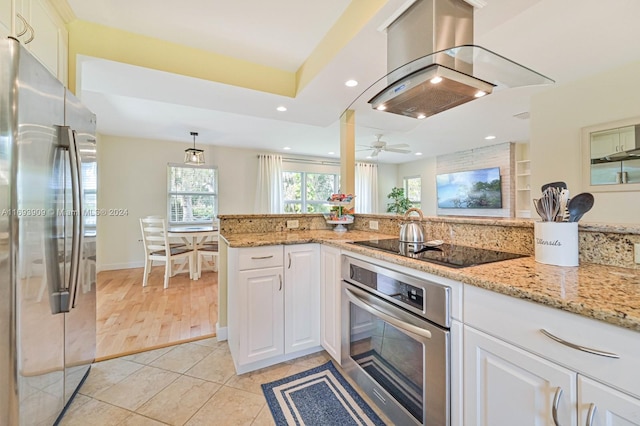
x=260, y=257
x=520, y=322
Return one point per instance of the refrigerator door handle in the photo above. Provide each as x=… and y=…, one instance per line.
x=68, y=142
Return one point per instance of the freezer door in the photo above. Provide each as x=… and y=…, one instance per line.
x=38, y=242
x=80, y=321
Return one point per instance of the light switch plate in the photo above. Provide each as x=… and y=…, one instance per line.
x=373, y=224
x=636, y=252
x=292, y=224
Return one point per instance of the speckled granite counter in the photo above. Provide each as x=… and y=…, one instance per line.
x=605, y=293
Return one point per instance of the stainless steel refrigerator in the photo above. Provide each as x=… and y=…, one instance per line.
x=48, y=191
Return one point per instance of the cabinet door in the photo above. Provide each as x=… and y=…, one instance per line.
x=605, y=143
x=506, y=386
x=260, y=298
x=600, y=405
x=302, y=297
x=330, y=280
x=627, y=138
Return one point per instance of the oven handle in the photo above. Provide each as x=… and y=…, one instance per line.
x=388, y=318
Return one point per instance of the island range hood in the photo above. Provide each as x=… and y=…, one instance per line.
x=433, y=65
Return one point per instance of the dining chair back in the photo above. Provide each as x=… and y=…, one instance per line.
x=158, y=248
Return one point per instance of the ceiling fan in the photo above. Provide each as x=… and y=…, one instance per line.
x=379, y=145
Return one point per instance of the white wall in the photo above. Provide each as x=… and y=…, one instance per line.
x=426, y=169
x=557, y=116
x=132, y=175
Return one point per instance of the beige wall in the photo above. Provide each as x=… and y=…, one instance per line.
x=426, y=169
x=557, y=116
x=132, y=175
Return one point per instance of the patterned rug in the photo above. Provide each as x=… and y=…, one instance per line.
x=320, y=396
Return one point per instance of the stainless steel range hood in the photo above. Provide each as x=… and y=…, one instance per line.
x=434, y=66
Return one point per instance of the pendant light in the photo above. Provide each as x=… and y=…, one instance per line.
x=193, y=155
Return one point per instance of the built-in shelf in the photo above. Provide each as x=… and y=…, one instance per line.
x=523, y=182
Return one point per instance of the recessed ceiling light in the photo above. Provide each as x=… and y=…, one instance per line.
x=381, y=107
x=281, y=108
x=351, y=83
x=418, y=153
x=369, y=157
x=287, y=148
x=331, y=153
x=421, y=116
x=490, y=137
x=436, y=80
x=480, y=94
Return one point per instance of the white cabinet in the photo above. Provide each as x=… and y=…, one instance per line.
x=601, y=405
x=261, y=331
x=41, y=30
x=505, y=385
x=273, y=304
x=302, y=297
x=514, y=346
x=330, y=319
x=612, y=141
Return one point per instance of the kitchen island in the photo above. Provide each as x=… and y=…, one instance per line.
x=571, y=355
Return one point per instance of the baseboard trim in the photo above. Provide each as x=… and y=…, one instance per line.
x=221, y=333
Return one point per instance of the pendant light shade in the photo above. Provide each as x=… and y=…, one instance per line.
x=193, y=155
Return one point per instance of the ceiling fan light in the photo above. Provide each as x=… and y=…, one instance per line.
x=192, y=155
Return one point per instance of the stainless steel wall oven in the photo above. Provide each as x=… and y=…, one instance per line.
x=396, y=341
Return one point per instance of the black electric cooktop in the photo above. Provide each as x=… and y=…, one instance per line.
x=454, y=256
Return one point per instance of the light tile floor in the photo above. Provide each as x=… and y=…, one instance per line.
x=189, y=384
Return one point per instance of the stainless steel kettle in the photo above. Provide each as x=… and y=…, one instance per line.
x=412, y=231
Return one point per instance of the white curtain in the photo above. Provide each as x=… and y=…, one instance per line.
x=269, y=189
x=366, y=188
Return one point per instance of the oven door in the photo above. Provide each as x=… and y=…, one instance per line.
x=400, y=360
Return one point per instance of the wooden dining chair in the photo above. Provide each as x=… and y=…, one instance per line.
x=158, y=248
x=208, y=255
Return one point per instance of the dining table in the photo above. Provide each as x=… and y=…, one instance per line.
x=194, y=237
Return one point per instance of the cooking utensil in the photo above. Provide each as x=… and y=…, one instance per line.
x=579, y=205
x=538, y=206
x=560, y=185
x=563, y=215
x=550, y=202
x=412, y=232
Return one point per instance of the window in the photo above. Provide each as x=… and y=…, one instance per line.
x=308, y=192
x=89, y=188
x=192, y=194
x=413, y=189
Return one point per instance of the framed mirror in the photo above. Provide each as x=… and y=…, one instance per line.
x=611, y=156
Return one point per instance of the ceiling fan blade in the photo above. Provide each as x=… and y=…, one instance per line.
x=401, y=151
x=375, y=153
x=398, y=145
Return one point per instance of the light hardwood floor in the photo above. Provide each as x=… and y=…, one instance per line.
x=132, y=318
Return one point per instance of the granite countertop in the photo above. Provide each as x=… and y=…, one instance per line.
x=605, y=293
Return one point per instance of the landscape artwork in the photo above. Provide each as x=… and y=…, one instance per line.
x=472, y=189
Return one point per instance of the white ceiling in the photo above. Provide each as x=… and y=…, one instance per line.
x=565, y=40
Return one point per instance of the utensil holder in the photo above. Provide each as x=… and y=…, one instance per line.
x=556, y=243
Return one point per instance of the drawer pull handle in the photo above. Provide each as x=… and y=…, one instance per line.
x=578, y=347
x=590, y=414
x=556, y=403
x=261, y=257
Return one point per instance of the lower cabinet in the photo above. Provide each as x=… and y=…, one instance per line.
x=273, y=304
x=515, y=373
x=506, y=386
x=601, y=405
